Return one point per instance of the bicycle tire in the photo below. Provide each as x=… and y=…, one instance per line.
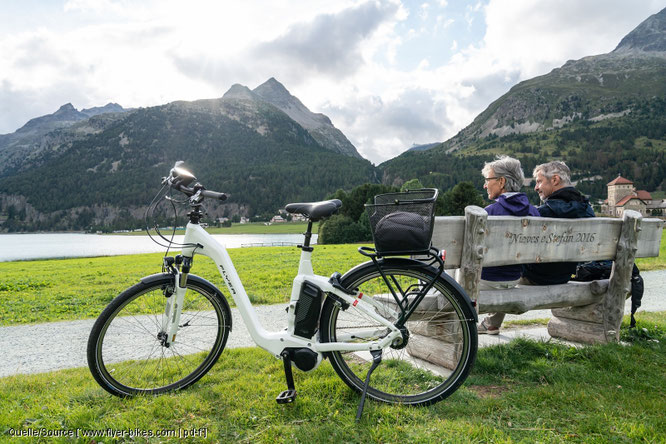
x=441, y=343
x=126, y=355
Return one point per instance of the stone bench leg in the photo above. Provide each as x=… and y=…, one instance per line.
x=599, y=323
x=579, y=324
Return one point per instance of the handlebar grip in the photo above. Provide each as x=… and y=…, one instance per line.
x=214, y=195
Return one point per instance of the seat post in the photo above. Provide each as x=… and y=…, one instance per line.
x=308, y=236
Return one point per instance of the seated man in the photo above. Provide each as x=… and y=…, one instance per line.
x=560, y=199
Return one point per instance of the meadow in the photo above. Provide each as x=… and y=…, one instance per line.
x=69, y=289
x=525, y=391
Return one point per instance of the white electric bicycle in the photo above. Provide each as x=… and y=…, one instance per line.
x=402, y=321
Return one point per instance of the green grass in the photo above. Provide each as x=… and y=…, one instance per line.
x=261, y=228
x=68, y=289
x=525, y=391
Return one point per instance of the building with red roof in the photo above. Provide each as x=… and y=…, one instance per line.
x=622, y=195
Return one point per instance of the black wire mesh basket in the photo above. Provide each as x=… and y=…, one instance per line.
x=402, y=223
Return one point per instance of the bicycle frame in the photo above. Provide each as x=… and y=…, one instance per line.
x=273, y=342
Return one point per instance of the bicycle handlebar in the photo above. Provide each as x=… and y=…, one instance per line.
x=198, y=188
x=214, y=195
x=179, y=178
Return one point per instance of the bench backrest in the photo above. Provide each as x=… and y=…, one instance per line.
x=509, y=240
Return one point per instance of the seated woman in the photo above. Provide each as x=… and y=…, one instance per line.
x=503, y=181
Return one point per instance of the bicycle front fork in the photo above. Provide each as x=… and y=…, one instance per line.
x=174, y=303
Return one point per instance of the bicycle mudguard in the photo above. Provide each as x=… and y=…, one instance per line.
x=201, y=282
x=399, y=262
x=149, y=280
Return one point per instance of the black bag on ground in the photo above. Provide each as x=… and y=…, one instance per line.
x=402, y=231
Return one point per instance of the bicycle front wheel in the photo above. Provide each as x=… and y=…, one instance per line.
x=439, y=341
x=127, y=350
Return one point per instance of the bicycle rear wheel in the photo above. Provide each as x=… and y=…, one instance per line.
x=439, y=340
x=127, y=351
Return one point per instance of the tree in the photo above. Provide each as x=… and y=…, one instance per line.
x=340, y=229
x=455, y=200
x=353, y=205
x=413, y=184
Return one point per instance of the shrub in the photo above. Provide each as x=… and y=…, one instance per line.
x=340, y=229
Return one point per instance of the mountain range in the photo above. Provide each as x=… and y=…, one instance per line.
x=45, y=132
x=263, y=147
x=73, y=169
x=602, y=114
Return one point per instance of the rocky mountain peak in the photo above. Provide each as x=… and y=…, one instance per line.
x=67, y=112
x=65, y=115
x=238, y=91
x=649, y=36
x=108, y=108
x=67, y=107
x=275, y=93
x=318, y=125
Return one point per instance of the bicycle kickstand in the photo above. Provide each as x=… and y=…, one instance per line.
x=288, y=396
x=376, y=359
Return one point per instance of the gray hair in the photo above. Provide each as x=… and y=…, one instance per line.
x=508, y=168
x=556, y=167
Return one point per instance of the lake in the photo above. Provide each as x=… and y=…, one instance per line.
x=15, y=247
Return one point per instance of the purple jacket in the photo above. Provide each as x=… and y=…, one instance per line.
x=508, y=204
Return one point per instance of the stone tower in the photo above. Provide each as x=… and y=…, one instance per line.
x=618, y=189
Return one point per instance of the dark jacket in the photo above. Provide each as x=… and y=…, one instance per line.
x=508, y=205
x=566, y=203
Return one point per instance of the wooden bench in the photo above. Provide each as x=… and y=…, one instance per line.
x=587, y=312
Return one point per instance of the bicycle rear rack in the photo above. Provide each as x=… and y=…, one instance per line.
x=407, y=307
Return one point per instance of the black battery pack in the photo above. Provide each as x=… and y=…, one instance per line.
x=308, y=309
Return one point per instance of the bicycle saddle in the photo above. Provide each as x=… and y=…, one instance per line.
x=314, y=210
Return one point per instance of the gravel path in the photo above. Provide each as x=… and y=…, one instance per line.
x=46, y=347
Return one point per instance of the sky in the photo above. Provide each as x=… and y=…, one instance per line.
x=389, y=73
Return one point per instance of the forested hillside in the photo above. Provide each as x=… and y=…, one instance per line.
x=121, y=167
x=633, y=145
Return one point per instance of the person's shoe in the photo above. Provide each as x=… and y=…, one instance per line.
x=483, y=329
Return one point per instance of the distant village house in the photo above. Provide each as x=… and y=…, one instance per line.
x=622, y=195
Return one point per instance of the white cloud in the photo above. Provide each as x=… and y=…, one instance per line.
x=444, y=22
x=523, y=39
x=534, y=37
x=351, y=59
x=94, y=6
x=424, y=11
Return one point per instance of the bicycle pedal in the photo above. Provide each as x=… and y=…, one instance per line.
x=286, y=397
